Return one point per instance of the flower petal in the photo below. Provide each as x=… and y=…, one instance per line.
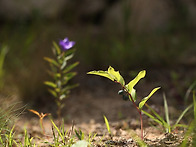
x=66, y=44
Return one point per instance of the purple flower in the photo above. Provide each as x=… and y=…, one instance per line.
x=66, y=44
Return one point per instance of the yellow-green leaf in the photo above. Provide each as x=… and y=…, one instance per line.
x=110, y=74
x=101, y=73
x=132, y=83
x=133, y=95
x=107, y=125
x=53, y=92
x=116, y=75
x=51, y=84
x=141, y=104
x=56, y=47
x=52, y=61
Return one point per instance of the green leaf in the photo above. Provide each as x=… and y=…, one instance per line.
x=57, y=90
x=57, y=49
x=79, y=134
x=116, y=75
x=70, y=67
x=53, y=92
x=69, y=52
x=167, y=114
x=50, y=84
x=52, y=61
x=68, y=57
x=141, y=104
x=62, y=97
x=58, y=130
x=107, y=125
x=152, y=117
x=101, y=73
x=110, y=74
x=68, y=76
x=163, y=122
x=135, y=80
x=133, y=95
x=63, y=64
x=69, y=87
x=182, y=114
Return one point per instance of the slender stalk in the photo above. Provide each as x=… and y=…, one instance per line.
x=141, y=120
x=42, y=126
x=59, y=80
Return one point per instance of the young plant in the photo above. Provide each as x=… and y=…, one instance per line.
x=8, y=138
x=79, y=134
x=166, y=122
x=60, y=136
x=60, y=72
x=41, y=117
x=7, y=117
x=107, y=125
x=127, y=88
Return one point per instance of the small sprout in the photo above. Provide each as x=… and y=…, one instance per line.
x=107, y=125
x=41, y=117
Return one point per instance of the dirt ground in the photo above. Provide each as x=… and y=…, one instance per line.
x=87, y=114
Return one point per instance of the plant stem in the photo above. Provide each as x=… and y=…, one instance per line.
x=141, y=120
x=59, y=113
x=42, y=126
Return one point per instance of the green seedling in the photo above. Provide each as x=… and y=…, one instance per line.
x=8, y=139
x=60, y=72
x=60, y=133
x=62, y=138
x=107, y=125
x=41, y=117
x=79, y=134
x=91, y=137
x=7, y=117
x=166, y=122
x=127, y=88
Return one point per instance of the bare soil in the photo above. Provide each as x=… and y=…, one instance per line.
x=87, y=113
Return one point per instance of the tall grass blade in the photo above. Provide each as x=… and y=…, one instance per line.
x=166, y=113
x=157, y=115
x=107, y=125
x=182, y=114
x=59, y=132
x=189, y=91
x=152, y=117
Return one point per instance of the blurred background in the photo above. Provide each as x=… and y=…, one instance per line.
x=130, y=35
